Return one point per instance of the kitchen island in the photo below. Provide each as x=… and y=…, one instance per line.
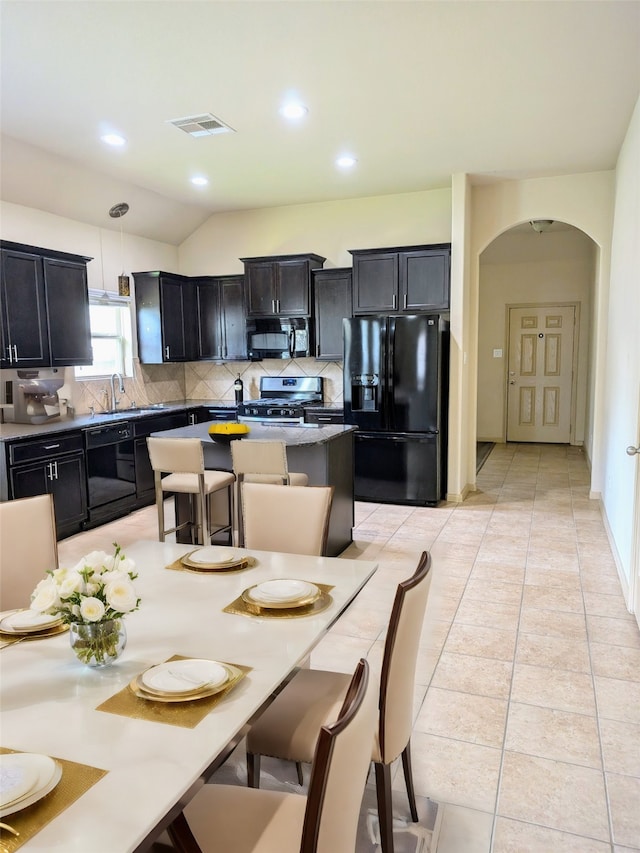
x=323, y=453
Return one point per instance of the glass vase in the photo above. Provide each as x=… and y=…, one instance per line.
x=98, y=643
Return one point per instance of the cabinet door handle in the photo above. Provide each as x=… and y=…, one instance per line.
x=166, y=352
x=9, y=356
x=15, y=352
x=51, y=446
x=278, y=305
x=404, y=303
x=55, y=470
x=394, y=302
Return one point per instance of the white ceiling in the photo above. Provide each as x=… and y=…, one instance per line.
x=417, y=91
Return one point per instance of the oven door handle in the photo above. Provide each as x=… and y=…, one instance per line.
x=292, y=343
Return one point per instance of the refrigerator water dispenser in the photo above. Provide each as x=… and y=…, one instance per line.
x=365, y=393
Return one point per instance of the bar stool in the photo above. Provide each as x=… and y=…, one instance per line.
x=182, y=460
x=260, y=461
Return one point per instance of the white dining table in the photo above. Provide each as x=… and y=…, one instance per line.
x=48, y=699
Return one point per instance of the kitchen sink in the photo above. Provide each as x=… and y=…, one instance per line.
x=137, y=410
x=152, y=407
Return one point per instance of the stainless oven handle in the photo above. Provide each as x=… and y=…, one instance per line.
x=292, y=343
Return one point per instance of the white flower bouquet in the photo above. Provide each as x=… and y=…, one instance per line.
x=97, y=589
x=92, y=597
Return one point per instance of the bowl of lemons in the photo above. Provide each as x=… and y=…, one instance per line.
x=224, y=432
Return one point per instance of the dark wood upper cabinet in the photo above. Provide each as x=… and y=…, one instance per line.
x=68, y=312
x=25, y=341
x=221, y=318
x=280, y=285
x=332, y=302
x=166, y=317
x=44, y=314
x=401, y=280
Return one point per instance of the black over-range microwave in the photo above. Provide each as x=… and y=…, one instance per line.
x=279, y=337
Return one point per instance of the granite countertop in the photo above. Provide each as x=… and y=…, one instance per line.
x=66, y=424
x=291, y=435
x=11, y=430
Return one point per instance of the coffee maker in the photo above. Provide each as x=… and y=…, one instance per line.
x=35, y=396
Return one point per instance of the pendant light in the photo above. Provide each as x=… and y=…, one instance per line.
x=117, y=212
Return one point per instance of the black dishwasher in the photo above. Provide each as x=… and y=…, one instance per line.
x=111, y=480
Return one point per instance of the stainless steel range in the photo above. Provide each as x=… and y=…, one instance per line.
x=282, y=399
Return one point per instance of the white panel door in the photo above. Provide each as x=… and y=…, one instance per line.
x=540, y=373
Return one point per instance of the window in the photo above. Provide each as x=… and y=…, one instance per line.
x=110, y=319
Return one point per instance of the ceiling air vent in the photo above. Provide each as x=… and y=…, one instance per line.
x=202, y=125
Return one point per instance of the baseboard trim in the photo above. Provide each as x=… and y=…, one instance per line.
x=458, y=497
x=624, y=581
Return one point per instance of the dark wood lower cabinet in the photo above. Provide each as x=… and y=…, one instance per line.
x=64, y=478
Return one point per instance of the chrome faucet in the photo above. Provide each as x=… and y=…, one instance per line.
x=114, y=399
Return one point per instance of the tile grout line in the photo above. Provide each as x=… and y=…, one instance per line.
x=595, y=693
x=511, y=680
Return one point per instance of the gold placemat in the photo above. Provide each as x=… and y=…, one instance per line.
x=185, y=714
x=76, y=780
x=7, y=639
x=179, y=566
x=241, y=607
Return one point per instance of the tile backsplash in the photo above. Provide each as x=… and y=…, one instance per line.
x=198, y=380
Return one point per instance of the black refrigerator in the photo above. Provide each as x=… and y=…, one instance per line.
x=396, y=382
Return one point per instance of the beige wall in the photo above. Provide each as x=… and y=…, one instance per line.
x=526, y=268
x=329, y=229
x=620, y=408
x=104, y=245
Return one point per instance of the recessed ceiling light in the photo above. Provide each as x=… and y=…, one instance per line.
x=199, y=181
x=293, y=110
x=346, y=161
x=113, y=139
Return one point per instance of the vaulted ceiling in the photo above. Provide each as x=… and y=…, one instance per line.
x=416, y=91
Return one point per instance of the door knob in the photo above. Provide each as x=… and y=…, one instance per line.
x=631, y=450
x=512, y=382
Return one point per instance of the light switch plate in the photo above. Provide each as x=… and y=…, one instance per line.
x=497, y=353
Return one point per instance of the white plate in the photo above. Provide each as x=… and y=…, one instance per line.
x=281, y=591
x=25, y=621
x=17, y=778
x=215, y=556
x=49, y=773
x=184, y=676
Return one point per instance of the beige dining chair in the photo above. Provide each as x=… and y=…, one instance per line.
x=260, y=461
x=28, y=548
x=294, y=520
x=235, y=819
x=182, y=461
x=288, y=729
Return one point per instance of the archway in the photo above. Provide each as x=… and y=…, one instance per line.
x=522, y=268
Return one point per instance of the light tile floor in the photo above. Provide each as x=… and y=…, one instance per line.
x=527, y=701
